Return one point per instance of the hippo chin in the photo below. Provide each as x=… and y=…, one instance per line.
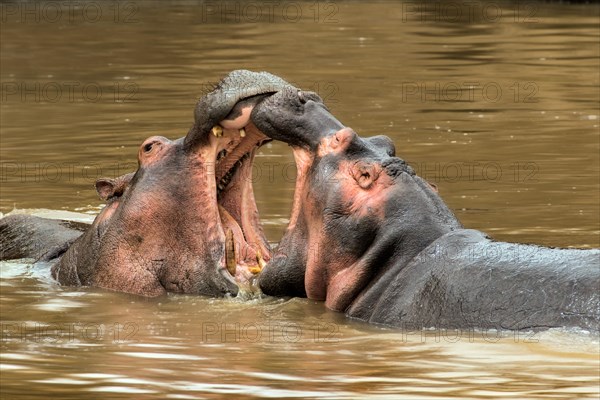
x=186, y=221
x=372, y=239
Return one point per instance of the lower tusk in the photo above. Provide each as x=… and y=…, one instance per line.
x=242, y=132
x=230, y=261
x=254, y=270
x=261, y=263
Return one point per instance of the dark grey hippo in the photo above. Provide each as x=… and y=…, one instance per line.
x=186, y=221
x=373, y=240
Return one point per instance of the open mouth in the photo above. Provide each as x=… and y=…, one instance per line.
x=246, y=248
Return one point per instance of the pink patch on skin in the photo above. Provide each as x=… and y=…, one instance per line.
x=364, y=195
x=345, y=285
x=304, y=160
x=315, y=277
x=336, y=143
x=107, y=212
x=157, y=146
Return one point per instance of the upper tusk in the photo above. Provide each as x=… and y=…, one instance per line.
x=217, y=131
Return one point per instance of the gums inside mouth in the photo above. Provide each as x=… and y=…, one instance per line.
x=245, y=246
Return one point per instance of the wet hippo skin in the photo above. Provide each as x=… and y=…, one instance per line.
x=372, y=239
x=43, y=239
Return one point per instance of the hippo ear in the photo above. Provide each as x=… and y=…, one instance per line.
x=105, y=188
x=433, y=186
x=365, y=174
x=108, y=188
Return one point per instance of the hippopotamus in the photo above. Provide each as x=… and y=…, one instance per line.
x=375, y=241
x=367, y=236
x=185, y=221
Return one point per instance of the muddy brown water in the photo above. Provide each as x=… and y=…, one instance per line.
x=497, y=103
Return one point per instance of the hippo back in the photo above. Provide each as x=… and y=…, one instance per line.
x=466, y=280
x=43, y=239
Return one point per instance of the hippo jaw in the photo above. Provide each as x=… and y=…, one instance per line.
x=226, y=141
x=230, y=150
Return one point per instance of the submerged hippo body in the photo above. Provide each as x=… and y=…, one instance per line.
x=47, y=239
x=43, y=239
x=372, y=239
x=186, y=220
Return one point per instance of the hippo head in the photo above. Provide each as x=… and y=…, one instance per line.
x=357, y=207
x=186, y=221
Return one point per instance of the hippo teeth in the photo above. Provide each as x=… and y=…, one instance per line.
x=226, y=179
x=259, y=258
x=217, y=130
x=260, y=262
x=230, y=260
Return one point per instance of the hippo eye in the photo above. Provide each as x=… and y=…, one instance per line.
x=148, y=147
